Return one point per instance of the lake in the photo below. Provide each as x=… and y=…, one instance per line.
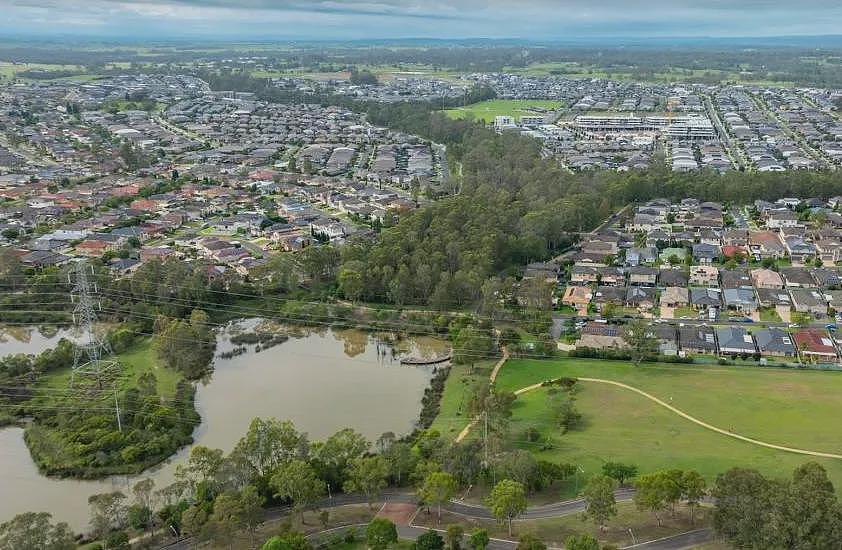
x=321, y=379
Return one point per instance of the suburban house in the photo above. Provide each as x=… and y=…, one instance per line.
x=611, y=276
x=641, y=297
x=697, y=339
x=704, y=275
x=705, y=254
x=734, y=341
x=808, y=300
x=674, y=296
x=740, y=299
x=797, y=277
x=667, y=339
x=600, y=336
x=766, y=278
x=815, y=345
x=775, y=342
x=604, y=295
x=640, y=256
x=673, y=277
x=583, y=275
x=734, y=278
x=644, y=276
x=541, y=270
x=577, y=296
x=705, y=298
x=765, y=244
x=826, y=277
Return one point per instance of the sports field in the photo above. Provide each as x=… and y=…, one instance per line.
x=487, y=110
x=779, y=406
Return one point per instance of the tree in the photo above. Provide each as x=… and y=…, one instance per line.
x=108, y=512
x=142, y=491
x=202, y=466
x=401, y=460
x=227, y=518
x=367, y=475
x=507, y=501
x=298, y=482
x=380, y=533
x=438, y=488
x=693, y=487
x=652, y=493
x=186, y=346
x=429, y=541
x=351, y=280
x=528, y=541
x=619, y=471
x=251, y=504
x=117, y=540
x=600, y=503
x=642, y=342
x=34, y=531
x=479, y=539
x=288, y=541
x=581, y=542
x=743, y=501
x=269, y=443
x=454, y=536
x=193, y=520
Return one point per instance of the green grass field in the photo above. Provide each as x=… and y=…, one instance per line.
x=134, y=362
x=785, y=407
x=487, y=110
x=452, y=416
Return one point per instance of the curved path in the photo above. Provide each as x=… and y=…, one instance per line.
x=467, y=429
x=692, y=419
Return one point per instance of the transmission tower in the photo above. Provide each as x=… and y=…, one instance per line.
x=91, y=351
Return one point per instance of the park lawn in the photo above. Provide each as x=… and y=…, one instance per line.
x=487, y=110
x=452, y=415
x=554, y=531
x=138, y=359
x=351, y=514
x=786, y=407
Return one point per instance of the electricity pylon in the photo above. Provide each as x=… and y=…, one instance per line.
x=91, y=352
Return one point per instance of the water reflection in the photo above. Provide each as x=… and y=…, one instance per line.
x=321, y=379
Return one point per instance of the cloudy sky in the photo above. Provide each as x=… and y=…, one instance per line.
x=351, y=19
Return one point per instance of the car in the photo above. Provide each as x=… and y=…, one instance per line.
x=793, y=325
x=831, y=327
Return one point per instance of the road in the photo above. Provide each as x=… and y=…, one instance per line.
x=691, y=539
x=735, y=152
x=557, y=509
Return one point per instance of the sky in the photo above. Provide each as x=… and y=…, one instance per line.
x=390, y=19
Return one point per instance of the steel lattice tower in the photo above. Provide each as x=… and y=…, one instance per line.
x=91, y=351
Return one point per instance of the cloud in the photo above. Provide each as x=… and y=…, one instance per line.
x=343, y=19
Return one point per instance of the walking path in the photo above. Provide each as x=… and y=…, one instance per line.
x=692, y=419
x=467, y=429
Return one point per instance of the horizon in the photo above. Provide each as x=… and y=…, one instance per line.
x=542, y=21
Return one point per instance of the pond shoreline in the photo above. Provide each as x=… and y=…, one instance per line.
x=352, y=379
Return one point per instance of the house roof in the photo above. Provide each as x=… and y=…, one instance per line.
x=735, y=339
x=814, y=341
x=774, y=340
x=698, y=337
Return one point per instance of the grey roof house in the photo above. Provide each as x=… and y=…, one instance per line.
x=774, y=341
x=734, y=340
